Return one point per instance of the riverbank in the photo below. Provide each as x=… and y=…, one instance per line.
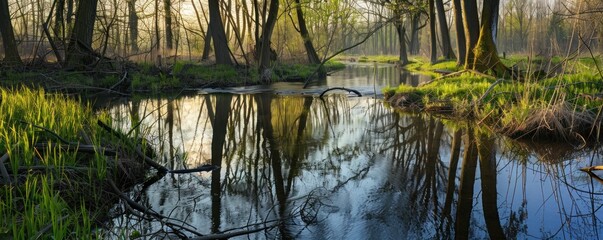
x=127, y=77
x=60, y=171
x=552, y=99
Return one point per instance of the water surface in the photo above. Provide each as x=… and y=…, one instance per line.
x=348, y=167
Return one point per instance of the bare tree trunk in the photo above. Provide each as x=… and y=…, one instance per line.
x=402, y=40
x=432, y=33
x=59, y=20
x=444, y=33
x=218, y=35
x=414, y=34
x=303, y=30
x=265, y=50
x=133, y=22
x=69, y=12
x=79, y=51
x=11, y=55
x=471, y=26
x=169, y=35
x=460, y=33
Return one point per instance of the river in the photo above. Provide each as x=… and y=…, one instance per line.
x=348, y=167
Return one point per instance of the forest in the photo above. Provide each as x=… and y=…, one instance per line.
x=85, y=36
x=178, y=119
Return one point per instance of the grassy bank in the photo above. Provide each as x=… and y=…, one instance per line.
x=566, y=104
x=57, y=165
x=144, y=77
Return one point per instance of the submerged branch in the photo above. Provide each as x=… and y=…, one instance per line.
x=341, y=88
x=136, y=148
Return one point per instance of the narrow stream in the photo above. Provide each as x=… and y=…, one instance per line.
x=347, y=167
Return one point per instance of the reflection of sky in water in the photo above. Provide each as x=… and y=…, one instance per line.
x=360, y=161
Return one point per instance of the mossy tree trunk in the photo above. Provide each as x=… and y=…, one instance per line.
x=485, y=53
x=11, y=55
x=218, y=35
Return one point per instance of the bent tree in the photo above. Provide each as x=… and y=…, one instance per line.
x=11, y=55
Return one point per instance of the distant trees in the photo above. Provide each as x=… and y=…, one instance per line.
x=259, y=31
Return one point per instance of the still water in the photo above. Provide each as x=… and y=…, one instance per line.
x=347, y=167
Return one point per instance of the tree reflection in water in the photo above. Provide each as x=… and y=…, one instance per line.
x=352, y=168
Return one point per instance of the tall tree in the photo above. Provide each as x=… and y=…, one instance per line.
x=401, y=29
x=460, y=32
x=169, y=34
x=265, y=50
x=79, y=51
x=432, y=33
x=471, y=29
x=303, y=30
x=133, y=25
x=486, y=55
x=444, y=33
x=11, y=55
x=218, y=35
x=414, y=32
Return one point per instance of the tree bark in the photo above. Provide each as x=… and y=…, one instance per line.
x=79, y=51
x=303, y=30
x=486, y=55
x=432, y=33
x=59, y=20
x=471, y=29
x=460, y=33
x=444, y=33
x=11, y=55
x=265, y=50
x=133, y=25
x=414, y=34
x=218, y=35
x=402, y=40
x=169, y=34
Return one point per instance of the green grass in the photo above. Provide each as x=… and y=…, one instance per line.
x=510, y=104
x=56, y=193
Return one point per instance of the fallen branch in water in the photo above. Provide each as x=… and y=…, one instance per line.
x=204, y=168
x=341, y=88
x=234, y=234
x=163, y=219
x=593, y=168
x=136, y=148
